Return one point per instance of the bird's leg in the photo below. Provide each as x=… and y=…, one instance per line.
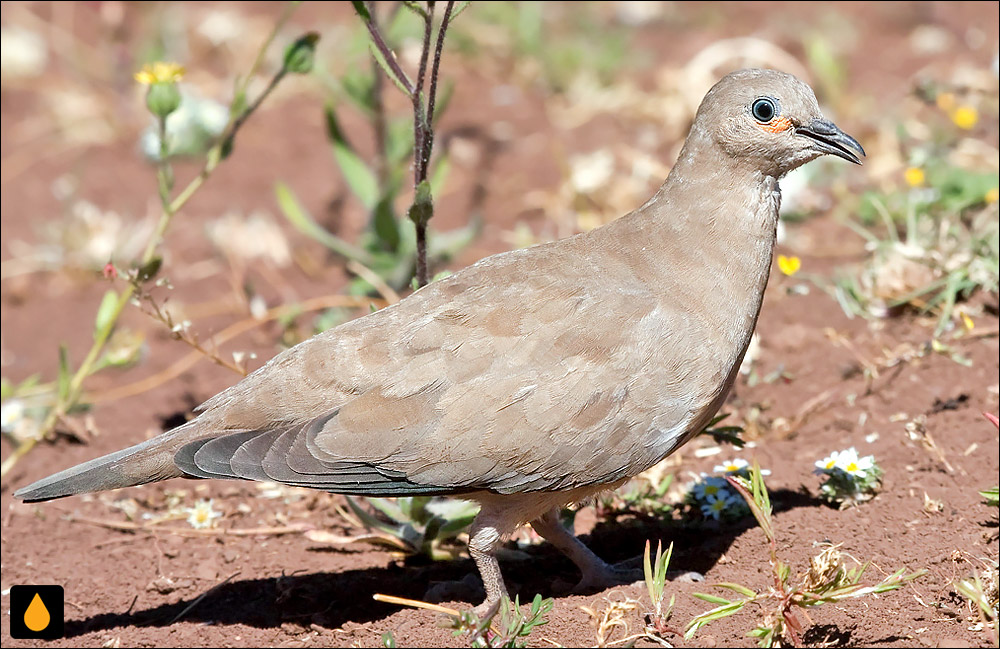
x=485, y=537
x=597, y=574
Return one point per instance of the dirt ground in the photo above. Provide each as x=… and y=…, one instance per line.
x=154, y=587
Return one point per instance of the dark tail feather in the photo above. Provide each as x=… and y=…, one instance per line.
x=151, y=461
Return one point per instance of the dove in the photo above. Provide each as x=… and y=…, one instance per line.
x=534, y=378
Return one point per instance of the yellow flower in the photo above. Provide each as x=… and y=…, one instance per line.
x=914, y=176
x=789, y=265
x=159, y=72
x=965, y=117
x=992, y=196
x=967, y=321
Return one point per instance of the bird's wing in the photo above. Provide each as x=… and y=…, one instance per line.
x=463, y=386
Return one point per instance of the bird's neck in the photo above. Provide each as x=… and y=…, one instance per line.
x=714, y=221
x=703, y=245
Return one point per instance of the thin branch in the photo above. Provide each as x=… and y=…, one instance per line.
x=420, y=123
x=390, y=58
x=432, y=95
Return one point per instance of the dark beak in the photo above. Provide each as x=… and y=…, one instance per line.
x=829, y=139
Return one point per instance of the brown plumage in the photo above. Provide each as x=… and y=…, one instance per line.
x=533, y=378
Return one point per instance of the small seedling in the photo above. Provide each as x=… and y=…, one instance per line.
x=984, y=596
x=826, y=581
x=850, y=479
x=504, y=625
x=992, y=496
x=655, y=573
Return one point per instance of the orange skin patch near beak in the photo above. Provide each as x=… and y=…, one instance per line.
x=776, y=125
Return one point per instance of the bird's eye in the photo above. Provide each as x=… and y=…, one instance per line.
x=764, y=110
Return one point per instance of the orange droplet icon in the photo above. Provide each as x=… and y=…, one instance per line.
x=37, y=616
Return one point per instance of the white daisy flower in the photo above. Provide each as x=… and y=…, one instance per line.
x=858, y=467
x=738, y=467
x=732, y=466
x=202, y=515
x=11, y=412
x=717, y=504
x=828, y=464
x=709, y=486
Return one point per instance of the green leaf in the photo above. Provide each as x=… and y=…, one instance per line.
x=710, y=616
x=414, y=7
x=400, y=83
x=712, y=599
x=459, y=8
x=239, y=104
x=63, y=382
x=439, y=175
x=391, y=508
x=358, y=84
x=443, y=100
x=371, y=521
x=399, y=141
x=301, y=219
x=362, y=10
x=359, y=177
x=742, y=590
x=386, y=225
x=443, y=245
x=301, y=54
x=106, y=312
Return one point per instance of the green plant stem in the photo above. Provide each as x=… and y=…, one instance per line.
x=423, y=128
x=169, y=209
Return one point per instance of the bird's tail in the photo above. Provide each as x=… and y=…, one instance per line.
x=150, y=461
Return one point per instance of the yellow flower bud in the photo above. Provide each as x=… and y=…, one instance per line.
x=160, y=72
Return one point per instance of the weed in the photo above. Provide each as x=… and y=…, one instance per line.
x=389, y=247
x=984, y=597
x=163, y=97
x=411, y=525
x=655, y=573
x=850, y=479
x=713, y=497
x=826, y=581
x=939, y=243
x=504, y=625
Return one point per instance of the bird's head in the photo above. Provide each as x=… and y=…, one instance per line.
x=771, y=121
